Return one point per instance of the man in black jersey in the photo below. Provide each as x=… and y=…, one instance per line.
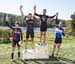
x=29, y=27
x=43, y=23
x=17, y=37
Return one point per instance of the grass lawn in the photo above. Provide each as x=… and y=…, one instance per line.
x=66, y=55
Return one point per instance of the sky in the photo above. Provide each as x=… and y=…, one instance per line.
x=64, y=7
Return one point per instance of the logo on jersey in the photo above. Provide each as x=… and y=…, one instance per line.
x=44, y=18
x=17, y=31
x=30, y=22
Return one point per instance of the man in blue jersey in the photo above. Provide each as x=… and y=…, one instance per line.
x=59, y=31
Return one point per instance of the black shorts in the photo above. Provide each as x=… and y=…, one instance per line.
x=15, y=42
x=31, y=34
x=43, y=27
x=58, y=40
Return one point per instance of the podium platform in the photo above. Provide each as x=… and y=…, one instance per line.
x=40, y=52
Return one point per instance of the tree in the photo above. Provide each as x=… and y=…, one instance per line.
x=73, y=21
x=36, y=23
x=20, y=20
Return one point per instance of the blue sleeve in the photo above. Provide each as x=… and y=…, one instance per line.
x=63, y=32
x=62, y=29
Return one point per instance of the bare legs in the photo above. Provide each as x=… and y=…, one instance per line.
x=33, y=46
x=56, y=46
x=26, y=43
x=42, y=36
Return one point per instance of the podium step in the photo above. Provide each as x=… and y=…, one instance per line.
x=40, y=52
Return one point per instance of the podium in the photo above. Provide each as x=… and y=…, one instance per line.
x=40, y=52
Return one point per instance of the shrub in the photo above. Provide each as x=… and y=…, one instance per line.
x=5, y=35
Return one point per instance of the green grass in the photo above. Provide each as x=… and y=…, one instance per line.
x=66, y=54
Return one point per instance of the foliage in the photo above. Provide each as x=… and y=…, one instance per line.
x=68, y=28
x=14, y=18
x=5, y=35
x=73, y=21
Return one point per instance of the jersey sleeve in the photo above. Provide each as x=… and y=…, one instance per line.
x=63, y=32
x=25, y=17
x=56, y=29
x=38, y=14
x=51, y=16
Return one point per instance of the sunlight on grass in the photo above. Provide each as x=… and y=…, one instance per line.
x=67, y=50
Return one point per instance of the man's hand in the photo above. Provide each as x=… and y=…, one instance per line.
x=21, y=6
x=22, y=14
x=19, y=42
x=7, y=18
x=34, y=7
x=57, y=14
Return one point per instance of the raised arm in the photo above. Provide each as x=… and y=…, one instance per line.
x=57, y=15
x=51, y=16
x=57, y=20
x=22, y=14
x=7, y=20
x=35, y=11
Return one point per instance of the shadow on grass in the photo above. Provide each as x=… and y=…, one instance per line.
x=51, y=60
x=40, y=61
x=18, y=62
x=15, y=62
x=67, y=60
x=23, y=61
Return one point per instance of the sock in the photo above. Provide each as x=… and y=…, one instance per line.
x=18, y=54
x=12, y=55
